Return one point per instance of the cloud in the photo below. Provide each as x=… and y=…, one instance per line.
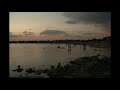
x=28, y=33
x=100, y=18
x=71, y=22
x=53, y=32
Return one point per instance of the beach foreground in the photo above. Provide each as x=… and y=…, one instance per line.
x=85, y=67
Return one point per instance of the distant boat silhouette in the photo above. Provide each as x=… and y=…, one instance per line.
x=60, y=47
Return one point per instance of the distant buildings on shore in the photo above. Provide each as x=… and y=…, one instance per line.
x=105, y=39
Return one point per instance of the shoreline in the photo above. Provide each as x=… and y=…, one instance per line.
x=85, y=67
x=91, y=44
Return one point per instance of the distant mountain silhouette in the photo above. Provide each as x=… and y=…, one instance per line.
x=52, y=32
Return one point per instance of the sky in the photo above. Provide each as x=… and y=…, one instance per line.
x=59, y=25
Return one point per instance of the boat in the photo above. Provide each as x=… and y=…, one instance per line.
x=60, y=47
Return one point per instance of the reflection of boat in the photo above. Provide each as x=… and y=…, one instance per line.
x=62, y=47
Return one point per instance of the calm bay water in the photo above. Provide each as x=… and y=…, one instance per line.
x=41, y=56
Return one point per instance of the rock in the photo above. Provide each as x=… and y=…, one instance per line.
x=30, y=70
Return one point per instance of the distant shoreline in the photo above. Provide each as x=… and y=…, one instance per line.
x=103, y=40
x=92, y=43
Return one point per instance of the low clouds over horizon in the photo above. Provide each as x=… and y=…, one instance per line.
x=53, y=32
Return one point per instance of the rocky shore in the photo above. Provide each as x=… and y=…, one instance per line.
x=85, y=67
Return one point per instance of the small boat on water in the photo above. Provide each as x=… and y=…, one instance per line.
x=60, y=47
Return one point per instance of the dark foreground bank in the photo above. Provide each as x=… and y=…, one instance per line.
x=85, y=67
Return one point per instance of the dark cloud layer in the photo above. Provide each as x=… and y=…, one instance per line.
x=103, y=18
x=52, y=32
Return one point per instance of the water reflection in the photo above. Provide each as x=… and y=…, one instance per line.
x=37, y=55
x=69, y=49
x=84, y=47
